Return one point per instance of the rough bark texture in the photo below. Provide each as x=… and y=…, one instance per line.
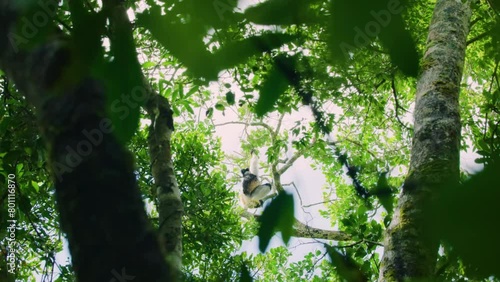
x=100, y=207
x=305, y=231
x=170, y=208
x=436, y=143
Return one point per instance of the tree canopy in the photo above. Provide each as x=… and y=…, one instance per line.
x=125, y=125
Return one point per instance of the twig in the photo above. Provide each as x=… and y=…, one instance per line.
x=290, y=162
x=479, y=37
x=278, y=127
x=320, y=203
x=266, y=126
x=396, y=101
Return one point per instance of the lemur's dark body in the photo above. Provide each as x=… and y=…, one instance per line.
x=253, y=190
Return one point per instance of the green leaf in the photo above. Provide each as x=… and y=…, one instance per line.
x=278, y=216
x=180, y=89
x=25, y=203
x=384, y=193
x=12, y=156
x=245, y=274
x=148, y=65
x=175, y=93
x=124, y=81
x=35, y=185
x=166, y=91
x=184, y=41
x=219, y=107
x=192, y=91
x=482, y=144
x=347, y=27
x=281, y=12
x=403, y=52
x=123, y=108
x=209, y=113
x=465, y=217
x=218, y=13
x=480, y=160
x=346, y=267
x=176, y=110
x=88, y=28
x=234, y=53
x=230, y=98
x=275, y=84
x=188, y=108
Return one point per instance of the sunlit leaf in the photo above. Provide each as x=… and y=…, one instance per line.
x=191, y=91
x=219, y=107
x=188, y=108
x=148, y=64
x=35, y=186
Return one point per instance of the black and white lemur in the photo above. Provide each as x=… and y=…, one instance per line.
x=253, y=191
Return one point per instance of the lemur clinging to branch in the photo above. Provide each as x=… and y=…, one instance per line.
x=253, y=191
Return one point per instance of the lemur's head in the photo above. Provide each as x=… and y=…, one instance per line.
x=245, y=171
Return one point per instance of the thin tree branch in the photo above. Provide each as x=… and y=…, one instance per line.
x=320, y=203
x=357, y=143
x=479, y=37
x=278, y=127
x=396, y=101
x=305, y=231
x=290, y=162
x=266, y=126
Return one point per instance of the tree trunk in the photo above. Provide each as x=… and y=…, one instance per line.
x=100, y=206
x=436, y=144
x=170, y=208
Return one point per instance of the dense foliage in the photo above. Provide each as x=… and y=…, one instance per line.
x=276, y=74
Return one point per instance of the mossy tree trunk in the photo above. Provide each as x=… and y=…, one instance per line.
x=436, y=144
x=170, y=207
